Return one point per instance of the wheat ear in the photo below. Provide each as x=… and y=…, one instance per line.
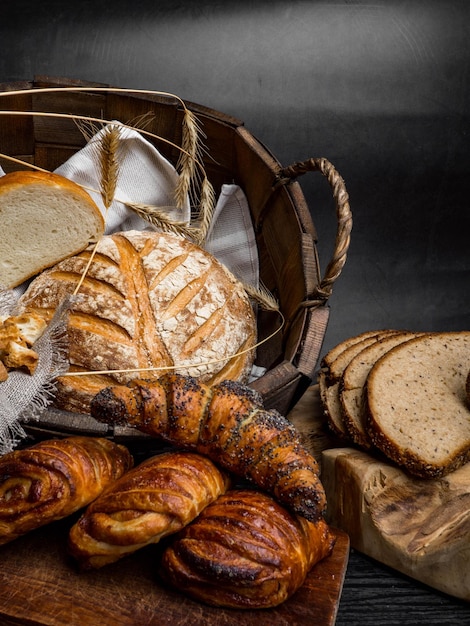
x=187, y=159
x=109, y=162
x=158, y=217
x=262, y=296
x=206, y=209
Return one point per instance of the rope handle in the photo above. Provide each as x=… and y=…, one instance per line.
x=343, y=216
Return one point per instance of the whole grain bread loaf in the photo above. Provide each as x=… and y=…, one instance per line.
x=417, y=413
x=148, y=300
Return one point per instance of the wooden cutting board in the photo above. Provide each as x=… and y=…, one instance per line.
x=40, y=585
x=420, y=527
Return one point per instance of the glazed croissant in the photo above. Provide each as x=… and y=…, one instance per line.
x=226, y=422
x=53, y=479
x=245, y=551
x=158, y=497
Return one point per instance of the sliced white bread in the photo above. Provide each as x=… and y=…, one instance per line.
x=44, y=218
x=352, y=386
x=330, y=376
x=417, y=413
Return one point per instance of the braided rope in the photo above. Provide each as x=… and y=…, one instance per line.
x=343, y=216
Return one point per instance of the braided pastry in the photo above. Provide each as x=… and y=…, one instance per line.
x=226, y=422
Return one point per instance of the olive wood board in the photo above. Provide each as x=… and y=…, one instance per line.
x=417, y=526
x=40, y=585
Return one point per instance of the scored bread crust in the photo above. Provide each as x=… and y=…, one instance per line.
x=149, y=300
x=45, y=218
x=416, y=407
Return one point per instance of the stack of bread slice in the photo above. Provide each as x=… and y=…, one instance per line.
x=402, y=394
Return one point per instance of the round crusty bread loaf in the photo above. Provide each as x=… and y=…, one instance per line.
x=149, y=300
x=44, y=218
x=417, y=411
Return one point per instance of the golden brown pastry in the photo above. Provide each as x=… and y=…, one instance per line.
x=245, y=551
x=158, y=497
x=149, y=300
x=228, y=423
x=18, y=333
x=53, y=479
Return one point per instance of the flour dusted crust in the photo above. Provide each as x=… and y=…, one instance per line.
x=149, y=299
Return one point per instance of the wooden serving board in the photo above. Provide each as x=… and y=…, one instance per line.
x=41, y=586
x=420, y=527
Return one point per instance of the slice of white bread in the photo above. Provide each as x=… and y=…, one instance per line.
x=351, y=393
x=329, y=377
x=417, y=413
x=44, y=218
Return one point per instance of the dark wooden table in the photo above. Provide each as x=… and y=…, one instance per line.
x=376, y=595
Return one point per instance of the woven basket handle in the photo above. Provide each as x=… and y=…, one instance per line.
x=343, y=216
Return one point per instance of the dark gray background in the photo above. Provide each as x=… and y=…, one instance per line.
x=380, y=88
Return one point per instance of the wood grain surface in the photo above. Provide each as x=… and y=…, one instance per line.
x=41, y=586
x=375, y=594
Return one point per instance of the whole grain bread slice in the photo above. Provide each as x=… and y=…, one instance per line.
x=417, y=413
x=332, y=367
x=352, y=386
x=340, y=347
x=467, y=389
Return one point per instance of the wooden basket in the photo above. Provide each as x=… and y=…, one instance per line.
x=282, y=221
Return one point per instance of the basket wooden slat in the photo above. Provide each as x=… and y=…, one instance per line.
x=284, y=229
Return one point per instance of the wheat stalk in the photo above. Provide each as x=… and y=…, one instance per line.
x=158, y=217
x=109, y=162
x=262, y=296
x=186, y=164
x=206, y=208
